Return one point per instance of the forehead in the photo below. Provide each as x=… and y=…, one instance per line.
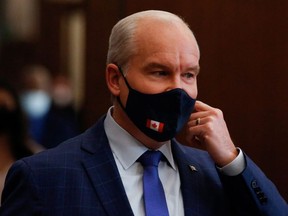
x=165, y=40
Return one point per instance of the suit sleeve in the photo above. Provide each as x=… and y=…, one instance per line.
x=20, y=195
x=253, y=190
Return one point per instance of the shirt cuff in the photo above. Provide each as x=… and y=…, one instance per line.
x=235, y=167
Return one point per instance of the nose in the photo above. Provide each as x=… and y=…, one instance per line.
x=175, y=82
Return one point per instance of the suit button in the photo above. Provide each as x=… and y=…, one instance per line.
x=260, y=194
x=257, y=190
x=263, y=199
x=254, y=184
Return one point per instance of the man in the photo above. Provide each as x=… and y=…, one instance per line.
x=152, y=68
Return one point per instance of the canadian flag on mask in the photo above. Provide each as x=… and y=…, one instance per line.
x=155, y=125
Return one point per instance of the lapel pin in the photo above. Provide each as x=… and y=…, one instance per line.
x=193, y=168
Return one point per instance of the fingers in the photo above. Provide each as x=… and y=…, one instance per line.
x=198, y=121
x=204, y=122
x=207, y=128
x=203, y=110
x=198, y=116
x=200, y=106
x=196, y=129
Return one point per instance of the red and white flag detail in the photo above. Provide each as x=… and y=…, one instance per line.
x=155, y=125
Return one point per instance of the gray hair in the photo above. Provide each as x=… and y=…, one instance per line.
x=121, y=41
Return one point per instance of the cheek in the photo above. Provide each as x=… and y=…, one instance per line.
x=192, y=91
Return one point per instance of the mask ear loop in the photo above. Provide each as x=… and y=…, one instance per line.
x=121, y=71
x=127, y=84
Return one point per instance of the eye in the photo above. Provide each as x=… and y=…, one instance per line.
x=160, y=73
x=189, y=75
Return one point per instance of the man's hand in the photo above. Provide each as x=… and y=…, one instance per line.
x=207, y=129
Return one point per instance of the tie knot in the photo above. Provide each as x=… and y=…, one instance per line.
x=150, y=158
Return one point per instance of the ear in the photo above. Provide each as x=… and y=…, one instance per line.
x=113, y=77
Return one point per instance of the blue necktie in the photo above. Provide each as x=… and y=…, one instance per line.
x=154, y=197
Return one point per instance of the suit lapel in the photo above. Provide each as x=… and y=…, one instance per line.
x=190, y=175
x=103, y=172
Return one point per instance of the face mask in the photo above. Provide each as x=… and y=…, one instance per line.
x=159, y=116
x=36, y=103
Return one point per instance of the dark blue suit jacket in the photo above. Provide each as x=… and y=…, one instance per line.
x=80, y=177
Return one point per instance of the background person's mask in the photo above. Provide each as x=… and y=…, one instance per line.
x=36, y=103
x=159, y=116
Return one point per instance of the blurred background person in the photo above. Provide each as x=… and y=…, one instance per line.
x=62, y=121
x=14, y=140
x=48, y=104
x=35, y=98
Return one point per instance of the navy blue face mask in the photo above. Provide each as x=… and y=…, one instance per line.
x=159, y=116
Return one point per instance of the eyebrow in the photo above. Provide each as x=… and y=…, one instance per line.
x=196, y=69
x=154, y=65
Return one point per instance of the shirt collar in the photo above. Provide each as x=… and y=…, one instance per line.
x=127, y=149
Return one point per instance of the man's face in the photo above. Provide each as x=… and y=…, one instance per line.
x=167, y=57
